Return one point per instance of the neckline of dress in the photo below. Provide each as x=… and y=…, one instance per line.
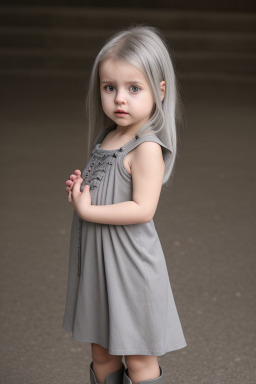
x=117, y=149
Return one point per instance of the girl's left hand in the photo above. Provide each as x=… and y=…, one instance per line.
x=80, y=200
x=70, y=182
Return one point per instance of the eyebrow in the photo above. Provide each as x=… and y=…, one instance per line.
x=127, y=82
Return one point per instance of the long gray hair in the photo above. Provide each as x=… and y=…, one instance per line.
x=145, y=48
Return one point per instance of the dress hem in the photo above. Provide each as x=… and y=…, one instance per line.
x=125, y=352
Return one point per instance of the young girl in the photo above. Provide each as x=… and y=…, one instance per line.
x=119, y=296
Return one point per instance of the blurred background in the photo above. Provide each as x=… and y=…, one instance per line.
x=205, y=218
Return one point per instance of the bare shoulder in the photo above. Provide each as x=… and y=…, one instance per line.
x=148, y=150
x=148, y=153
x=148, y=147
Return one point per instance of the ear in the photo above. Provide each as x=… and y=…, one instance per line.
x=162, y=89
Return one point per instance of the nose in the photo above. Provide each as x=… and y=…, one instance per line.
x=120, y=97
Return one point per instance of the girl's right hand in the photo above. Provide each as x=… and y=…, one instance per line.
x=70, y=182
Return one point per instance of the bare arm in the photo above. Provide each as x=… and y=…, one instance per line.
x=147, y=168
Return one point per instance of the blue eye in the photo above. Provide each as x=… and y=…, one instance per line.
x=135, y=89
x=109, y=88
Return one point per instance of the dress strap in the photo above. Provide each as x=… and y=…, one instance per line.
x=146, y=137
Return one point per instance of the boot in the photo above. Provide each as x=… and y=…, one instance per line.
x=112, y=378
x=158, y=380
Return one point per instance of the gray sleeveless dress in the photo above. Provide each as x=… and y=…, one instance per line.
x=118, y=291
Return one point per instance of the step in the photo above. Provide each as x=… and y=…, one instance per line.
x=92, y=39
x=105, y=18
x=217, y=5
x=184, y=62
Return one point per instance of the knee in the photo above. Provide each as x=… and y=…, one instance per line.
x=100, y=355
x=138, y=363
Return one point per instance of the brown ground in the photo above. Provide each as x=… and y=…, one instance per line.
x=205, y=220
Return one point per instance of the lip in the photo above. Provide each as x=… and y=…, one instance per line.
x=119, y=111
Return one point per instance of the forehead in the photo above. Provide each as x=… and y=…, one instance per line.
x=111, y=69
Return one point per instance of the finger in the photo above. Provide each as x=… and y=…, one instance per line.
x=78, y=180
x=69, y=184
x=86, y=188
x=78, y=172
x=69, y=187
x=72, y=177
x=70, y=197
x=77, y=185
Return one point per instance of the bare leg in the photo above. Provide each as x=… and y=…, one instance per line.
x=142, y=367
x=104, y=363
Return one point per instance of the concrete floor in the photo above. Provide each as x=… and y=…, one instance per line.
x=205, y=220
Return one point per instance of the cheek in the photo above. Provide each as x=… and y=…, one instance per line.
x=104, y=102
x=150, y=104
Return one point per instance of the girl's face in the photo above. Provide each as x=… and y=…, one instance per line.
x=126, y=95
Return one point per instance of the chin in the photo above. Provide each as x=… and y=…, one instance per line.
x=121, y=123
